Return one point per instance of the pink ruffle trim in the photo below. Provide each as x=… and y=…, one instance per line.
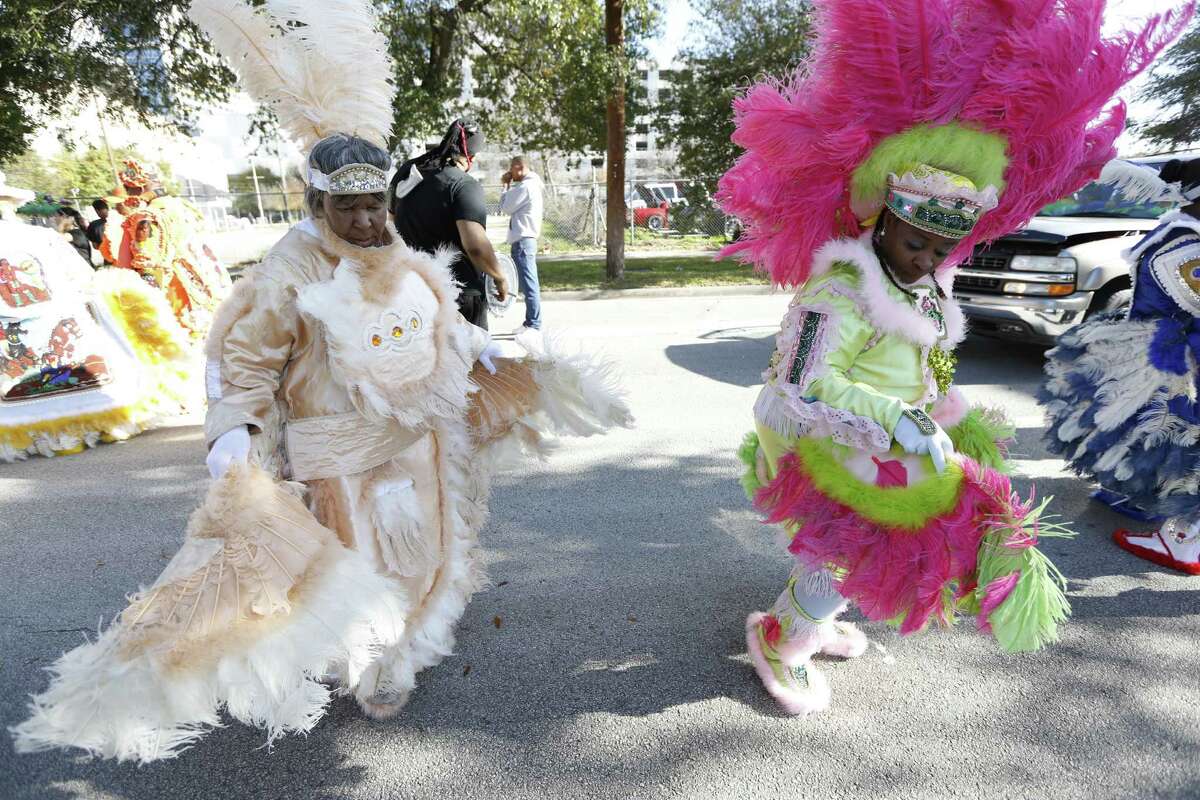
x=892, y=573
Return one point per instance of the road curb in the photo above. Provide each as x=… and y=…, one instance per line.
x=660, y=291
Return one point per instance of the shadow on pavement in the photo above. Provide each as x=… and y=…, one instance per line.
x=619, y=591
x=735, y=356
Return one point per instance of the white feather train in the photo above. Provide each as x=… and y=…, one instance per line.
x=257, y=606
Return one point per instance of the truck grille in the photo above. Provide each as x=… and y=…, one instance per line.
x=988, y=260
x=970, y=282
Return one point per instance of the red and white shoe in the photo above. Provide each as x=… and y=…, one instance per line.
x=1176, y=545
x=798, y=686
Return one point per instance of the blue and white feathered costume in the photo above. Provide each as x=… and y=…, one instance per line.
x=1121, y=389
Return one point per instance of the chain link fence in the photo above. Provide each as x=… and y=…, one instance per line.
x=661, y=215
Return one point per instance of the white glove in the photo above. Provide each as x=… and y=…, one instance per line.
x=936, y=445
x=496, y=349
x=230, y=447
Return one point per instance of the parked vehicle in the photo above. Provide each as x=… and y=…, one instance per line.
x=1063, y=267
x=651, y=209
x=655, y=218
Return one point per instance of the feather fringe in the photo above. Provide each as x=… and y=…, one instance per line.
x=322, y=68
x=1139, y=184
x=1037, y=74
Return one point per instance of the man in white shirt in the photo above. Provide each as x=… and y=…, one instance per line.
x=522, y=201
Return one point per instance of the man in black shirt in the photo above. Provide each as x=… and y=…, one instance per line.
x=95, y=229
x=437, y=204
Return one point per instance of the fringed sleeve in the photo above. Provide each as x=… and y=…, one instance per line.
x=808, y=391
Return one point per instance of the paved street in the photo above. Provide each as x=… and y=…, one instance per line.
x=607, y=660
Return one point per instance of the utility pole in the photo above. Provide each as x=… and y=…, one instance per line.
x=287, y=207
x=614, y=39
x=112, y=164
x=257, y=194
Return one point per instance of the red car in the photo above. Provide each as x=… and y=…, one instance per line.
x=656, y=219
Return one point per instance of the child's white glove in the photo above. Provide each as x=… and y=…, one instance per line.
x=920, y=435
x=230, y=447
x=496, y=349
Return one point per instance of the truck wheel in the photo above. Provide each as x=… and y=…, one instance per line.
x=1115, y=298
x=655, y=223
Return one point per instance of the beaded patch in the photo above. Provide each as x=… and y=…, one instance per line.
x=394, y=331
x=925, y=425
x=809, y=329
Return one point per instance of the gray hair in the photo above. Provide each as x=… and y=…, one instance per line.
x=519, y=160
x=336, y=151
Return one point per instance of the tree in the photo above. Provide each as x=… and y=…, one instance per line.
x=1174, y=85
x=84, y=174
x=146, y=58
x=539, y=68
x=268, y=197
x=736, y=43
x=614, y=37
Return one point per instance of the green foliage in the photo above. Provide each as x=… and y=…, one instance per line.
x=539, y=67
x=85, y=173
x=736, y=43
x=645, y=272
x=55, y=57
x=1174, y=86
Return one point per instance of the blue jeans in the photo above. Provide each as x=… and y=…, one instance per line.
x=524, y=256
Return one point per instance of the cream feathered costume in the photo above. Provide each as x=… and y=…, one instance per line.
x=341, y=557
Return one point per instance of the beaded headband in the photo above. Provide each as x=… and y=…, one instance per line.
x=938, y=202
x=350, y=179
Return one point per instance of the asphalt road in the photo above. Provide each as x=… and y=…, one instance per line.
x=608, y=659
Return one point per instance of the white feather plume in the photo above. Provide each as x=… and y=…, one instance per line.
x=322, y=67
x=1139, y=184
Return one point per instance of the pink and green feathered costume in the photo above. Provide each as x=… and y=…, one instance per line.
x=962, y=118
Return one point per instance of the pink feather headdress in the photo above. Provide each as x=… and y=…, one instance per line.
x=1034, y=75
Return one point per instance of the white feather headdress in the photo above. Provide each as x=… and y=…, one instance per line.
x=1140, y=184
x=321, y=65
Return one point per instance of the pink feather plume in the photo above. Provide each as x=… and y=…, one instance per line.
x=1037, y=72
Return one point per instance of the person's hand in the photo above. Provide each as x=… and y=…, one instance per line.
x=920, y=435
x=231, y=447
x=501, y=287
x=496, y=350
x=485, y=358
x=506, y=178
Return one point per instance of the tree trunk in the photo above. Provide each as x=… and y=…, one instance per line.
x=614, y=37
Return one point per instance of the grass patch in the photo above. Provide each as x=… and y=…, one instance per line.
x=654, y=271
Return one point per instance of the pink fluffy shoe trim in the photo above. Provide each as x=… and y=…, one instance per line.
x=797, y=703
x=844, y=640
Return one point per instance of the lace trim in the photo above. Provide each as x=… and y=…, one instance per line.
x=783, y=409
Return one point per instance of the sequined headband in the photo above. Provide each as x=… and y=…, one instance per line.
x=938, y=202
x=350, y=179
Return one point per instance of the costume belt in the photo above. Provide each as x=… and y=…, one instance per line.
x=335, y=445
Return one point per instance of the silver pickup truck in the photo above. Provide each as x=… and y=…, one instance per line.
x=1064, y=266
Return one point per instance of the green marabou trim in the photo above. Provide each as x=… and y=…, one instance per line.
x=748, y=453
x=978, y=156
x=977, y=436
x=1029, y=617
x=908, y=508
